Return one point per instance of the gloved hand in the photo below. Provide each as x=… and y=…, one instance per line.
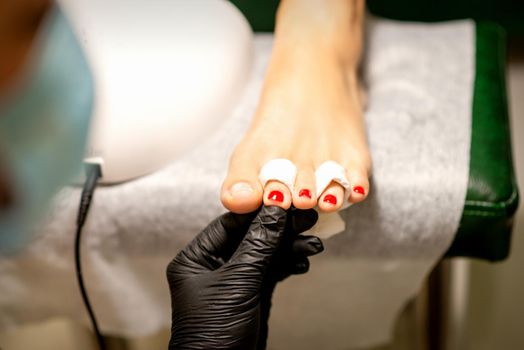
x=221, y=283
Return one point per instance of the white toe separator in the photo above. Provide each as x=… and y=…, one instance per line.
x=332, y=171
x=329, y=224
x=283, y=170
x=279, y=169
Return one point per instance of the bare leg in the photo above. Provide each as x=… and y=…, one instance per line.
x=310, y=110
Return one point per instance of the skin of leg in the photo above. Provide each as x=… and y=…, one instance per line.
x=310, y=110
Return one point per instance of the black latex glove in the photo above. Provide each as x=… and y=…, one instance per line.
x=221, y=283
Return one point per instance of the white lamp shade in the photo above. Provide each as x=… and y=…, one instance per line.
x=167, y=73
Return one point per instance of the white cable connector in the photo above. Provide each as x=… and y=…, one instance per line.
x=95, y=160
x=80, y=179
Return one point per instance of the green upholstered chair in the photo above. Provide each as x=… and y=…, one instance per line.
x=492, y=196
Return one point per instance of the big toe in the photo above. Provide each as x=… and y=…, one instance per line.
x=241, y=191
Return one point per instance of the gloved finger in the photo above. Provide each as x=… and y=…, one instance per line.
x=302, y=220
x=234, y=228
x=262, y=239
x=217, y=242
x=307, y=246
x=294, y=259
x=297, y=266
x=301, y=266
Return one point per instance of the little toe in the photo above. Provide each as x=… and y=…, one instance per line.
x=241, y=191
x=304, y=194
x=332, y=198
x=276, y=193
x=359, y=185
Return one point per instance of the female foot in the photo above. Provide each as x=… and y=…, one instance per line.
x=310, y=111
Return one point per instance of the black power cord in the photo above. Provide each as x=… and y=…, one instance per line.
x=93, y=174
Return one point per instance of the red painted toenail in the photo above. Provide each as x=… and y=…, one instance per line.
x=304, y=193
x=329, y=198
x=359, y=190
x=276, y=196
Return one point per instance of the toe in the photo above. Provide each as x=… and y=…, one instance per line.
x=241, y=191
x=332, y=198
x=304, y=195
x=359, y=185
x=276, y=193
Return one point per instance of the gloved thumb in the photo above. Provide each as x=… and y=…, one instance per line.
x=262, y=239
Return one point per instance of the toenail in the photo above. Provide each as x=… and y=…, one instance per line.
x=305, y=193
x=359, y=190
x=329, y=198
x=241, y=188
x=276, y=196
